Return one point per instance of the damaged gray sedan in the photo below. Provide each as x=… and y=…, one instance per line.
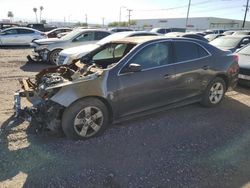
x=126, y=78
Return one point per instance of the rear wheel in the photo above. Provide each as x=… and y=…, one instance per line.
x=84, y=119
x=53, y=56
x=214, y=93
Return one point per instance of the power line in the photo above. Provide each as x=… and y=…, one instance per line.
x=177, y=7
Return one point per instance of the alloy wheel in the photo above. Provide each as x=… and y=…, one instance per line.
x=216, y=93
x=88, y=121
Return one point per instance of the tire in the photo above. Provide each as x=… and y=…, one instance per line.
x=53, y=56
x=214, y=92
x=84, y=119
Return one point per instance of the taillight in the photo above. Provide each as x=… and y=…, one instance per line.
x=44, y=34
x=234, y=69
x=236, y=58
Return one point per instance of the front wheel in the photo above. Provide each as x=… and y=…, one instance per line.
x=84, y=119
x=214, y=93
x=53, y=56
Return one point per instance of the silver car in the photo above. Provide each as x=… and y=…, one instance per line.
x=20, y=36
x=47, y=50
x=70, y=55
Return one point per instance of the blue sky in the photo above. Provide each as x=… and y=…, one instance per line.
x=75, y=10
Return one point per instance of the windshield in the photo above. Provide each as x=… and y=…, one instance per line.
x=245, y=51
x=109, y=54
x=226, y=42
x=71, y=34
x=112, y=37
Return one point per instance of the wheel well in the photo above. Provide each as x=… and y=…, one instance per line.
x=56, y=49
x=107, y=104
x=224, y=77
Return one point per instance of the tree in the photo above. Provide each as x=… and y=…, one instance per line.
x=41, y=9
x=35, y=11
x=10, y=15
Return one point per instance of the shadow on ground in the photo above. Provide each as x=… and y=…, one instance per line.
x=189, y=146
x=35, y=66
x=16, y=47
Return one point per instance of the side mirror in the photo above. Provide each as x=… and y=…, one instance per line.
x=134, y=67
x=86, y=59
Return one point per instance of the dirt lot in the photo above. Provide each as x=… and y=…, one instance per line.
x=189, y=146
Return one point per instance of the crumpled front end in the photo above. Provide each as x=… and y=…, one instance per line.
x=44, y=111
x=40, y=53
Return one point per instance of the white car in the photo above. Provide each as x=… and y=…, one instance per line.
x=48, y=49
x=73, y=54
x=20, y=36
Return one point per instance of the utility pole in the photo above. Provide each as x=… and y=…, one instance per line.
x=103, y=22
x=86, y=19
x=243, y=25
x=120, y=14
x=188, y=13
x=129, y=16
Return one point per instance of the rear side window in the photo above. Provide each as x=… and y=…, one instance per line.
x=101, y=35
x=185, y=51
x=25, y=31
x=162, y=31
x=202, y=51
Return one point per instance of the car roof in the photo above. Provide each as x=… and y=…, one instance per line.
x=142, y=39
x=79, y=29
x=235, y=36
x=138, y=40
x=21, y=28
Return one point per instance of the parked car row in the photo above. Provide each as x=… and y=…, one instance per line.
x=47, y=50
x=20, y=36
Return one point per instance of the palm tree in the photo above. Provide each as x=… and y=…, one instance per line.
x=35, y=11
x=10, y=15
x=41, y=9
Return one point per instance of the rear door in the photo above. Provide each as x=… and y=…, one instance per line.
x=192, y=66
x=100, y=35
x=25, y=36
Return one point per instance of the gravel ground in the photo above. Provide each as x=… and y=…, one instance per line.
x=189, y=146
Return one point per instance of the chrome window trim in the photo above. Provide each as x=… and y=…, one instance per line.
x=176, y=63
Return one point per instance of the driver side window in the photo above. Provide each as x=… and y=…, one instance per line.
x=11, y=32
x=84, y=37
x=152, y=56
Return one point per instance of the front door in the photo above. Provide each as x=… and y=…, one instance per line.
x=151, y=87
x=10, y=37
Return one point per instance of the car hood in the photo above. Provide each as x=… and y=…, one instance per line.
x=48, y=41
x=244, y=61
x=79, y=50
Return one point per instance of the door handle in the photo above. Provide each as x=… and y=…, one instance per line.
x=167, y=76
x=206, y=67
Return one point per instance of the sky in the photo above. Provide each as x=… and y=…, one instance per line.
x=75, y=10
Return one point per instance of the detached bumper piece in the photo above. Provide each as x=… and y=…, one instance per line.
x=43, y=114
x=38, y=56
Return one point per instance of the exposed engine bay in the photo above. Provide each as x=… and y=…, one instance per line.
x=38, y=91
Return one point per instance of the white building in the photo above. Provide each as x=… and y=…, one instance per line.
x=199, y=23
